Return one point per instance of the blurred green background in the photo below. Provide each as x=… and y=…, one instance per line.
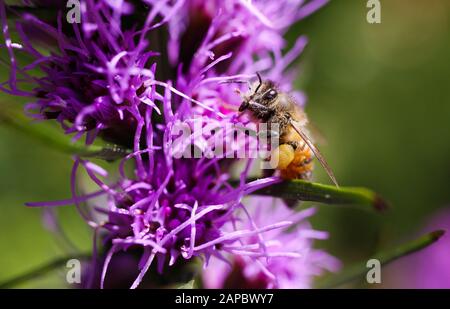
x=378, y=92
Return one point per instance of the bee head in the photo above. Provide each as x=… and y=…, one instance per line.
x=264, y=94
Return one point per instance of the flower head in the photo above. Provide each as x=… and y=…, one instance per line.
x=287, y=260
x=129, y=73
x=88, y=76
x=172, y=208
x=93, y=77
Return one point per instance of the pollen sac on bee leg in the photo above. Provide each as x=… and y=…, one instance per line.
x=282, y=156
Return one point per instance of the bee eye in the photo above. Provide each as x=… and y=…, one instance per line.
x=272, y=94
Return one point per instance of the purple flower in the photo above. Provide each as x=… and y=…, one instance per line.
x=287, y=259
x=172, y=208
x=229, y=45
x=116, y=76
x=93, y=77
x=90, y=76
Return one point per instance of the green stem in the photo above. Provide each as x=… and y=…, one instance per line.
x=40, y=271
x=50, y=136
x=308, y=191
x=186, y=286
x=359, y=270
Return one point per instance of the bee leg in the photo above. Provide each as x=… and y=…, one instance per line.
x=261, y=112
x=265, y=115
x=244, y=105
x=297, y=145
x=268, y=172
x=246, y=131
x=294, y=144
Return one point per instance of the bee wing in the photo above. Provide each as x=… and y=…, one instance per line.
x=316, y=152
x=318, y=136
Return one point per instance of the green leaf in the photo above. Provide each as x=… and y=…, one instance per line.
x=359, y=270
x=308, y=191
x=187, y=286
x=41, y=270
x=52, y=137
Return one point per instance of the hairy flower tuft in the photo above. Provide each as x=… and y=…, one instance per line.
x=129, y=73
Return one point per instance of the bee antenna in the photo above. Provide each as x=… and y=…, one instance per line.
x=260, y=82
x=233, y=81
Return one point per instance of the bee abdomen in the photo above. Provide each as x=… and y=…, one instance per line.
x=301, y=166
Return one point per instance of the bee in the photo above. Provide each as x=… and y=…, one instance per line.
x=296, y=151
